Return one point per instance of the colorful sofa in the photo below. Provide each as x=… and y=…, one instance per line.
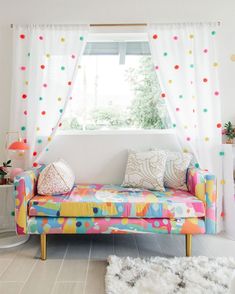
x=110, y=209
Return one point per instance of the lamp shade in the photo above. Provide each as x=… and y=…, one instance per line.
x=18, y=145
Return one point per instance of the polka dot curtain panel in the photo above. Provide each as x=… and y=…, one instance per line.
x=45, y=64
x=187, y=67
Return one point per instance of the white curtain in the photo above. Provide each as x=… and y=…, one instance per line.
x=45, y=63
x=186, y=63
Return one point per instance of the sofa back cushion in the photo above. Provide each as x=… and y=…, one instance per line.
x=56, y=178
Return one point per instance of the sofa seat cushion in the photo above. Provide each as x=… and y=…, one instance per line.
x=116, y=201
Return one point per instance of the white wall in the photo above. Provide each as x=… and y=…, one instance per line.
x=122, y=11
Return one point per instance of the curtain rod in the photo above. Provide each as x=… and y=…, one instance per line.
x=125, y=24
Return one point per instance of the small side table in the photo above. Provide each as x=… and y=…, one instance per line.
x=8, y=236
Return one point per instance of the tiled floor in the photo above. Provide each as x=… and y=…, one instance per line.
x=77, y=263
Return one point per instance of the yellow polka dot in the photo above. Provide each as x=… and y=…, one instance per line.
x=170, y=81
x=190, y=52
x=222, y=182
x=48, y=55
x=206, y=139
x=185, y=150
x=49, y=139
x=62, y=40
x=37, y=129
x=215, y=64
x=59, y=99
x=79, y=66
x=20, y=154
x=124, y=221
x=26, y=83
x=191, y=36
x=185, y=126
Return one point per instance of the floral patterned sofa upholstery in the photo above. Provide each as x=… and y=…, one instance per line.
x=111, y=209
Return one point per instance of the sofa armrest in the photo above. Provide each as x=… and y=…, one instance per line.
x=203, y=185
x=25, y=186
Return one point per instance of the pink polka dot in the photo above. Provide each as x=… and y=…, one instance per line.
x=216, y=93
x=24, y=96
x=177, y=109
x=60, y=124
x=163, y=95
x=176, y=66
x=73, y=56
x=69, y=83
x=157, y=67
x=23, y=68
x=25, y=112
x=155, y=36
x=188, y=138
x=40, y=38
x=175, y=38
x=205, y=80
x=35, y=153
x=70, y=98
x=219, y=125
x=205, y=50
x=35, y=164
x=22, y=36
x=42, y=66
x=44, y=85
x=43, y=112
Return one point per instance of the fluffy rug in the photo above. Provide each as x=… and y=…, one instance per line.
x=158, y=275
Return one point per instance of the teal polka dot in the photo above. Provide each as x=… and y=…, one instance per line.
x=191, y=65
x=40, y=98
x=205, y=110
x=181, y=96
x=165, y=54
x=61, y=110
x=12, y=213
x=213, y=33
x=62, y=68
x=81, y=38
x=23, y=128
x=196, y=165
x=29, y=54
x=221, y=153
x=39, y=141
x=47, y=149
x=174, y=125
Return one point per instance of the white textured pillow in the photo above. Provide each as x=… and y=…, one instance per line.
x=145, y=170
x=56, y=178
x=176, y=169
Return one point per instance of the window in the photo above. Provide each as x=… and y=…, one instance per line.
x=116, y=89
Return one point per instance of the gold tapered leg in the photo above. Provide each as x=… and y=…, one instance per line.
x=43, y=246
x=188, y=241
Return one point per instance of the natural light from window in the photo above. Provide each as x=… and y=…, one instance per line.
x=116, y=89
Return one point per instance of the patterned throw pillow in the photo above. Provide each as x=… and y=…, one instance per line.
x=56, y=178
x=145, y=170
x=176, y=169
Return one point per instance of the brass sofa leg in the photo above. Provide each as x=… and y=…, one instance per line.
x=188, y=243
x=43, y=238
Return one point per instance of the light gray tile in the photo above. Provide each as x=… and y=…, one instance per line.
x=21, y=265
x=102, y=247
x=10, y=287
x=68, y=288
x=148, y=245
x=95, y=278
x=4, y=263
x=125, y=245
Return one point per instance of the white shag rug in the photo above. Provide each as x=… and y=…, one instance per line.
x=179, y=275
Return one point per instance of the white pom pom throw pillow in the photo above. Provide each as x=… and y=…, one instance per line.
x=56, y=178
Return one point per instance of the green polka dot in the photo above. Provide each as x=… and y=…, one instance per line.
x=196, y=165
x=23, y=128
x=174, y=125
x=40, y=98
x=205, y=110
x=181, y=96
x=221, y=153
x=62, y=68
x=213, y=33
x=81, y=38
x=165, y=54
x=39, y=141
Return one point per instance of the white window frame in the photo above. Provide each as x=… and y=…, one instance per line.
x=117, y=34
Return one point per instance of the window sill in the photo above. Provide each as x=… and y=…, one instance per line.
x=116, y=132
